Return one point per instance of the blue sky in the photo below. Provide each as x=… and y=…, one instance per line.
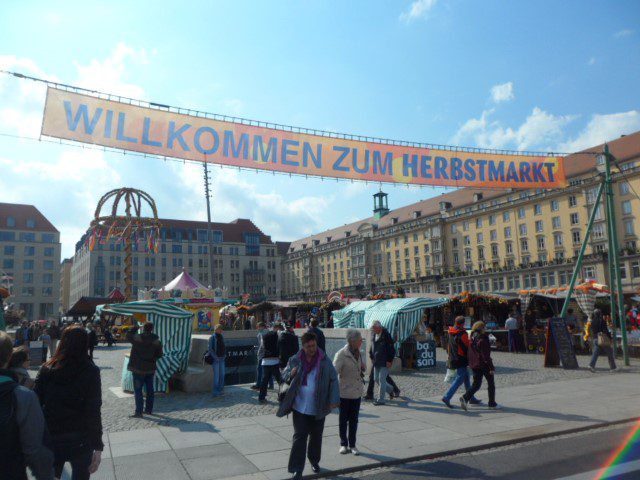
x=543, y=75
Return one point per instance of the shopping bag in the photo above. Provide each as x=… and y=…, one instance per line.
x=450, y=375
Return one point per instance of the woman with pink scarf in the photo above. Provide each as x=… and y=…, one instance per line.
x=313, y=392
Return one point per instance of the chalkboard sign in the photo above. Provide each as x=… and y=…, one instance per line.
x=241, y=360
x=426, y=354
x=559, y=347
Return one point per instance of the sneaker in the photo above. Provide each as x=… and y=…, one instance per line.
x=297, y=476
x=593, y=369
x=495, y=406
x=315, y=467
x=463, y=403
x=355, y=451
x=344, y=450
x=376, y=403
x=614, y=369
x=447, y=402
x=475, y=401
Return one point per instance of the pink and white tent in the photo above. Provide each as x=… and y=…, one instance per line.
x=183, y=282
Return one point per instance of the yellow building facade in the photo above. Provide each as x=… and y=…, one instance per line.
x=477, y=240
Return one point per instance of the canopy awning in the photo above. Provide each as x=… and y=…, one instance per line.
x=352, y=315
x=400, y=316
x=182, y=282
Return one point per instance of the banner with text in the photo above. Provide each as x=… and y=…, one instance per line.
x=88, y=119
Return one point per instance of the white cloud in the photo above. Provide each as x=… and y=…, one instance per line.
x=109, y=75
x=603, y=128
x=502, y=92
x=626, y=32
x=417, y=9
x=540, y=130
x=592, y=61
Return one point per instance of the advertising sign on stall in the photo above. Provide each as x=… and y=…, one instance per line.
x=426, y=354
x=559, y=346
x=109, y=123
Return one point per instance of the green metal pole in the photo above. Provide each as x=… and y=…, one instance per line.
x=610, y=259
x=576, y=268
x=615, y=250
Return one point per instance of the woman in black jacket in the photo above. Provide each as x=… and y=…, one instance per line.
x=69, y=389
x=479, y=354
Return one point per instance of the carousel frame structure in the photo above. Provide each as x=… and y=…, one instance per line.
x=125, y=227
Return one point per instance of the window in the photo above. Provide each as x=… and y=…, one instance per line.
x=555, y=222
x=467, y=255
x=526, y=259
x=575, y=219
x=492, y=219
x=454, y=242
x=479, y=237
x=48, y=251
x=589, y=273
x=624, y=188
x=7, y=263
x=560, y=255
x=635, y=269
x=7, y=236
x=537, y=209
x=539, y=226
x=505, y=216
x=465, y=225
x=623, y=270
x=628, y=227
x=252, y=243
x=524, y=245
x=28, y=265
x=480, y=253
x=573, y=201
x=479, y=222
x=555, y=205
x=575, y=237
x=29, y=251
x=47, y=264
x=456, y=258
x=11, y=222
x=467, y=240
x=27, y=278
x=557, y=239
x=9, y=250
x=454, y=228
x=521, y=212
x=507, y=232
x=626, y=207
x=523, y=229
x=494, y=250
x=599, y=214
x=509, y=247
x=530, y=280
x=31, y=223
x=27, y=237
x=541, y=243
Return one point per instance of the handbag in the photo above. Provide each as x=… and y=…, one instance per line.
x=450, y=375
x=207, y=358
x=603, y=340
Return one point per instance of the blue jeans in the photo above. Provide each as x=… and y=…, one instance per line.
x=218, y=375
x=462, y=376
x=145, y=381
x=260, y=374
x=596, y=353
x=380, y=374
x=512, y=336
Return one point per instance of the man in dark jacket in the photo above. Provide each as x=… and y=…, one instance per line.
x=458, y=360
x=217, y=350
x=599, y=327
x=481, y=365
x=22, y=426
x=381, y=353
x=318, y=333
x=270, y=361
x=146, y=349
x=287, y=345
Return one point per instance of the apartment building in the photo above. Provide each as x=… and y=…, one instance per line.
x=245, y=260
x=477, y=240
x=29, y=257
x=65, y=284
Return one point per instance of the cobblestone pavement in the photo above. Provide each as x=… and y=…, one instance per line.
x=240, y=401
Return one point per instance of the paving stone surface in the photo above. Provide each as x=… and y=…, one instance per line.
x=239, y=402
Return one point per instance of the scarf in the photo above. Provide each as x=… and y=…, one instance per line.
x=308, y=365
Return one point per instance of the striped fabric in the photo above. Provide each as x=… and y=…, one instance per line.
x=400, y=316
x=173, y=325
x=352, y=316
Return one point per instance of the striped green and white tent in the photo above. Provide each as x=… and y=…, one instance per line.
x=352, y=316
x=173, y=325
x=400, y=316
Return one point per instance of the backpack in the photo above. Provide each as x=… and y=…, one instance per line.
x=455, y=359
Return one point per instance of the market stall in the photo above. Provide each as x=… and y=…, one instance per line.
x=172, y=324
x=352, y=315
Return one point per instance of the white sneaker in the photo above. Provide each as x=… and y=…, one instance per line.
x=344, y=450
x=355, y=451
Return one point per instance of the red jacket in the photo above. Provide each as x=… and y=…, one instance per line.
x=458, y=347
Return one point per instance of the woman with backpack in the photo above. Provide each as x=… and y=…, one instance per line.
x=479, y=354
x=68, y=387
